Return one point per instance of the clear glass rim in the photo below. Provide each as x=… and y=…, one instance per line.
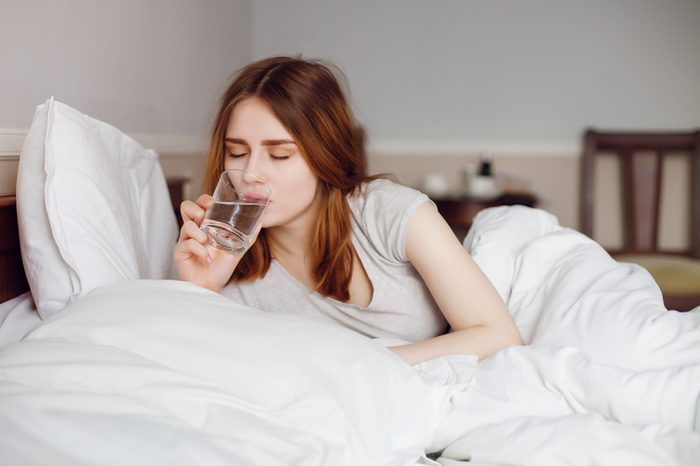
x=257, y=177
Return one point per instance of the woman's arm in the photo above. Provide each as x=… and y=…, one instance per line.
x=481, y=323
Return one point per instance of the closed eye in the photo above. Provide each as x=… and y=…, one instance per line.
x=279, y=157
x=235, y=156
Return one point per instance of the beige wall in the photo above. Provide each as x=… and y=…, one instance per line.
x=190, y=167
x=553, y=178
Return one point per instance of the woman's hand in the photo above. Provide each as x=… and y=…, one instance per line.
x=196, y=260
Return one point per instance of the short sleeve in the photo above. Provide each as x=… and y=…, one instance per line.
x=382, y=210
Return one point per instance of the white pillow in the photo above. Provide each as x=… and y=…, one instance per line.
x=92, y=206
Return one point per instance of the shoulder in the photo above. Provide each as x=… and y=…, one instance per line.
x=384, y=192
x=381, y=210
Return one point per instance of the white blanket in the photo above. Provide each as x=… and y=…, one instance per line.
x=164, y=372
x=167, y=373
x=609, y=377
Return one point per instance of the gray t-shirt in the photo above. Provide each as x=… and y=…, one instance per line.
x=401, y=306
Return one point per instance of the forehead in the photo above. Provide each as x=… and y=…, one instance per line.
x=253, y=120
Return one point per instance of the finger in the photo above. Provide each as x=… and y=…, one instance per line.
x=195, y=210
x=191, y=230
x=189, y=211
x=204, y=201
x=190, y=247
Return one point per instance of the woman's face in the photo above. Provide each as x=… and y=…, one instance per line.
x=256, y=141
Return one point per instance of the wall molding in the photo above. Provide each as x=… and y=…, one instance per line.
x=425, y=147
x=11, y=143
x=178, y=145
x=167, y=145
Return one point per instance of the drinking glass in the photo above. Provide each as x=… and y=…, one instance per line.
x=240, y=199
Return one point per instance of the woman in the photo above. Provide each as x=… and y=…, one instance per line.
x=371, y=254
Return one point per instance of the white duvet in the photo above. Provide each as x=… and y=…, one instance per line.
x=163, y=372
x=167, y=373
x=608, y=376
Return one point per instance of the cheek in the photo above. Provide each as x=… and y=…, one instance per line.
x=306, y=191
x=291, y=196
x=230, y=163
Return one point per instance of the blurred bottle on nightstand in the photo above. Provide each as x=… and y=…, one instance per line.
x=481, y=183
x=486, y=165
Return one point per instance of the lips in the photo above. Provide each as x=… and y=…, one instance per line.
x=254, y=198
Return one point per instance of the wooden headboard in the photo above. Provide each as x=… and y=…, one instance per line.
x=13, y=281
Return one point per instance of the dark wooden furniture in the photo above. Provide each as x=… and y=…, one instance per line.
x=13, y=281
x=459, y=212
x=176, y=188
x=641, y=156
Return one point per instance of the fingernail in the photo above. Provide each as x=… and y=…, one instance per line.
x=209, y=259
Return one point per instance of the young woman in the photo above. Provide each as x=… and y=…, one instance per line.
x=373, y=255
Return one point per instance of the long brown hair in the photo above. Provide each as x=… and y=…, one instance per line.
x=307, y=99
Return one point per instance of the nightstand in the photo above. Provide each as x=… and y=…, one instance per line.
x=459, y=211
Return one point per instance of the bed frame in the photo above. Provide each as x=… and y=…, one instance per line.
x=13, y=280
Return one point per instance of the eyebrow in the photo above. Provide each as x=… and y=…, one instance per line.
x=266, y=142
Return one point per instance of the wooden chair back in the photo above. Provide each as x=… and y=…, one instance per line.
x=641, y=157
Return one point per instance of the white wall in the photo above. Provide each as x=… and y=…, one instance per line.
x=510, y=71
x=144, y=66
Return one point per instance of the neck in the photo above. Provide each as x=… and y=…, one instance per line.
x=287, y=241
x=294, y=239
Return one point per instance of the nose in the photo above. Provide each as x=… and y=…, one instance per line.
x=254, y=171
x=252, y=177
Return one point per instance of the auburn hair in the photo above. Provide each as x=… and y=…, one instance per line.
x=307, y=99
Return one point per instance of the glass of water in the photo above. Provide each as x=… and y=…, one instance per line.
x=240, y=199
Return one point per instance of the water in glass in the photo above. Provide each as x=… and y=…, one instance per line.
x=230, y=225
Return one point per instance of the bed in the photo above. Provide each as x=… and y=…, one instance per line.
x=121, y=364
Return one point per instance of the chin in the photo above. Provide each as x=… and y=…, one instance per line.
x=270, y=220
